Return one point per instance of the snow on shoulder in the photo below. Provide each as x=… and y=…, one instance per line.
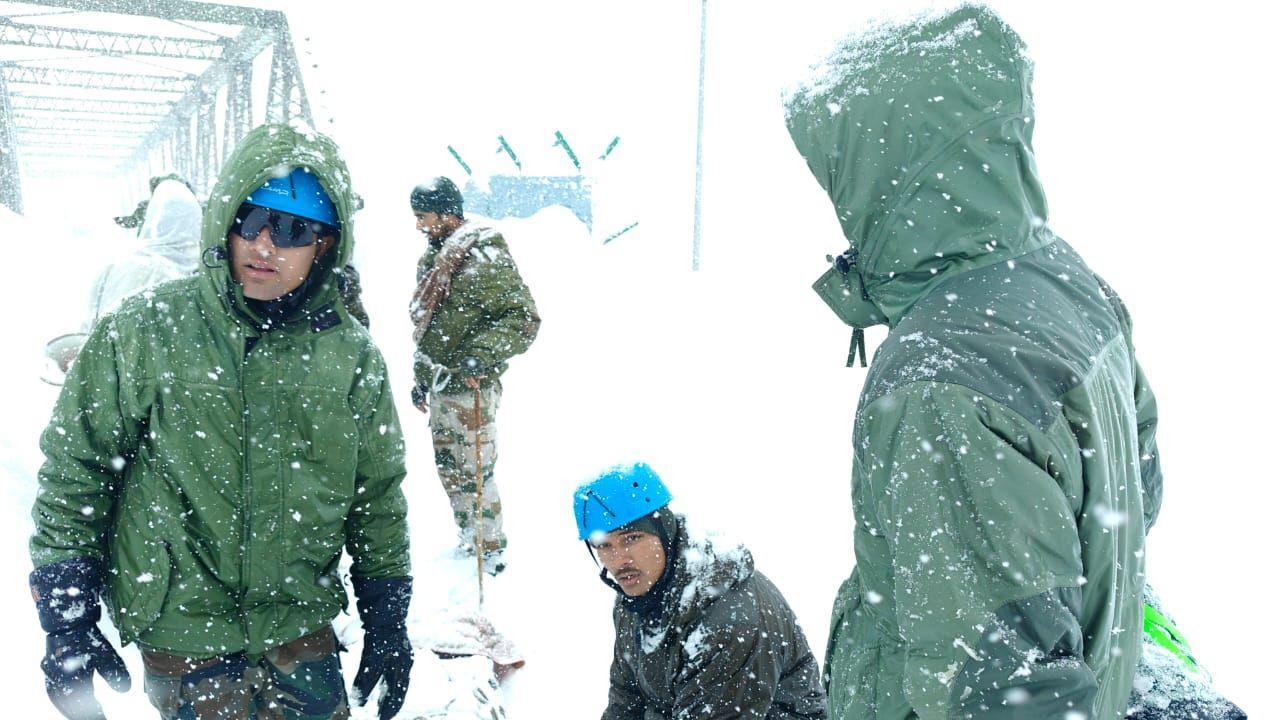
x=713, y=564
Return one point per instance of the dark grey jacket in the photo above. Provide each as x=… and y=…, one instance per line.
x=721, y=643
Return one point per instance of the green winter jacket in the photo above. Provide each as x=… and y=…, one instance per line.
x=218, y=467
x=489, y=314
x=1005, y=466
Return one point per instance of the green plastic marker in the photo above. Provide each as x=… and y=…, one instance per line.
x=613, y=144
x=503, y=145
x=1164, y=633
x=565, y=144
x=461, y=162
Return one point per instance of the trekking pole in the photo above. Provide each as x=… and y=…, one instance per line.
x=479, y=494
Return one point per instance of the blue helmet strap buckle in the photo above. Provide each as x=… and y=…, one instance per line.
x=287, y=230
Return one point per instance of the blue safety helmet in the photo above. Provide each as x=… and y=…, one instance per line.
x=618, y=496
x=298, y=193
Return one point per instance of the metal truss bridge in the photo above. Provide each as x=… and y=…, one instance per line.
x=137, y=87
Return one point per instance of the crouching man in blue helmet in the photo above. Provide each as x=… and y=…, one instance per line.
x=699, y=633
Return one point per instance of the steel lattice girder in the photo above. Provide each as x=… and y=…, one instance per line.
x=239, y=117
x=26, y=75
x=10, y=178
x=89, y=145
x=108, y=43
x=101, y=118
x=75, y=125
x=230, y=67
x=51, y=103
x=73, y=155
x=189, y=10
x=32, y=141
x=247, y=45
x=129, y=135
x=285, y=80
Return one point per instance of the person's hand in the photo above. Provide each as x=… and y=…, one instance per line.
x=66, y=597
x=71, y=658
x=67, y=357
x=387, y=655
x=472, y=371
x=419, y=395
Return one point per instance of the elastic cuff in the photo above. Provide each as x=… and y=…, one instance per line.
x=66, y=593
x=383, y=602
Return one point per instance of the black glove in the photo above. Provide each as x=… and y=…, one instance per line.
x=388, y=655
x=66, y=595
x=419, y=394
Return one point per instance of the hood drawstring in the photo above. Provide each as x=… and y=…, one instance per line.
x=857, y=346
x=848, y=262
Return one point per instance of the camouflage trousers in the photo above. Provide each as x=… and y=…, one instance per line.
x=454, y=428
x=300, y=680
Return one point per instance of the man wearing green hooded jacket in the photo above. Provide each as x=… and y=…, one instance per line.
x=1005, y=465
x=218, y=442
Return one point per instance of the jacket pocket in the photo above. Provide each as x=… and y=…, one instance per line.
x=850, y=674
x=138, y=586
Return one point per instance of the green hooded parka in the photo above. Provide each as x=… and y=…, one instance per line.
x=1005, y=466
x=215, y=463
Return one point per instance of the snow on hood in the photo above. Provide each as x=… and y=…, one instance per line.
x=920, y=131
x=172, y=225
x=268, y=151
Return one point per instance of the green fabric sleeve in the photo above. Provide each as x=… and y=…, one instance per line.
x=1145, y=403
x=377, y=528
x=961, y=489
x=1149, y=458
x=1029, y=664
x=87, y=444
x=510, y=319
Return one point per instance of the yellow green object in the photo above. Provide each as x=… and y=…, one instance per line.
x=1164, y=633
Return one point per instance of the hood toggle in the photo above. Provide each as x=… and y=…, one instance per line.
x=842, y=289
x=214, y=256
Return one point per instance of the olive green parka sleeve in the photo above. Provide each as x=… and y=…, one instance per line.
x=983, y=554
x=1149, y=459
x=509, y=319
x=376, y=527
x=90, y=438
x=1147, y=415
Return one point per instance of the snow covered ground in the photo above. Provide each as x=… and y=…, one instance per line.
x=1153, y=148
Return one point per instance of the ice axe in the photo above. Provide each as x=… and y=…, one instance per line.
x=479, y=544
x=472, y=634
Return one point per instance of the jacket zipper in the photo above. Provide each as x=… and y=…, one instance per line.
x=246, y=487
